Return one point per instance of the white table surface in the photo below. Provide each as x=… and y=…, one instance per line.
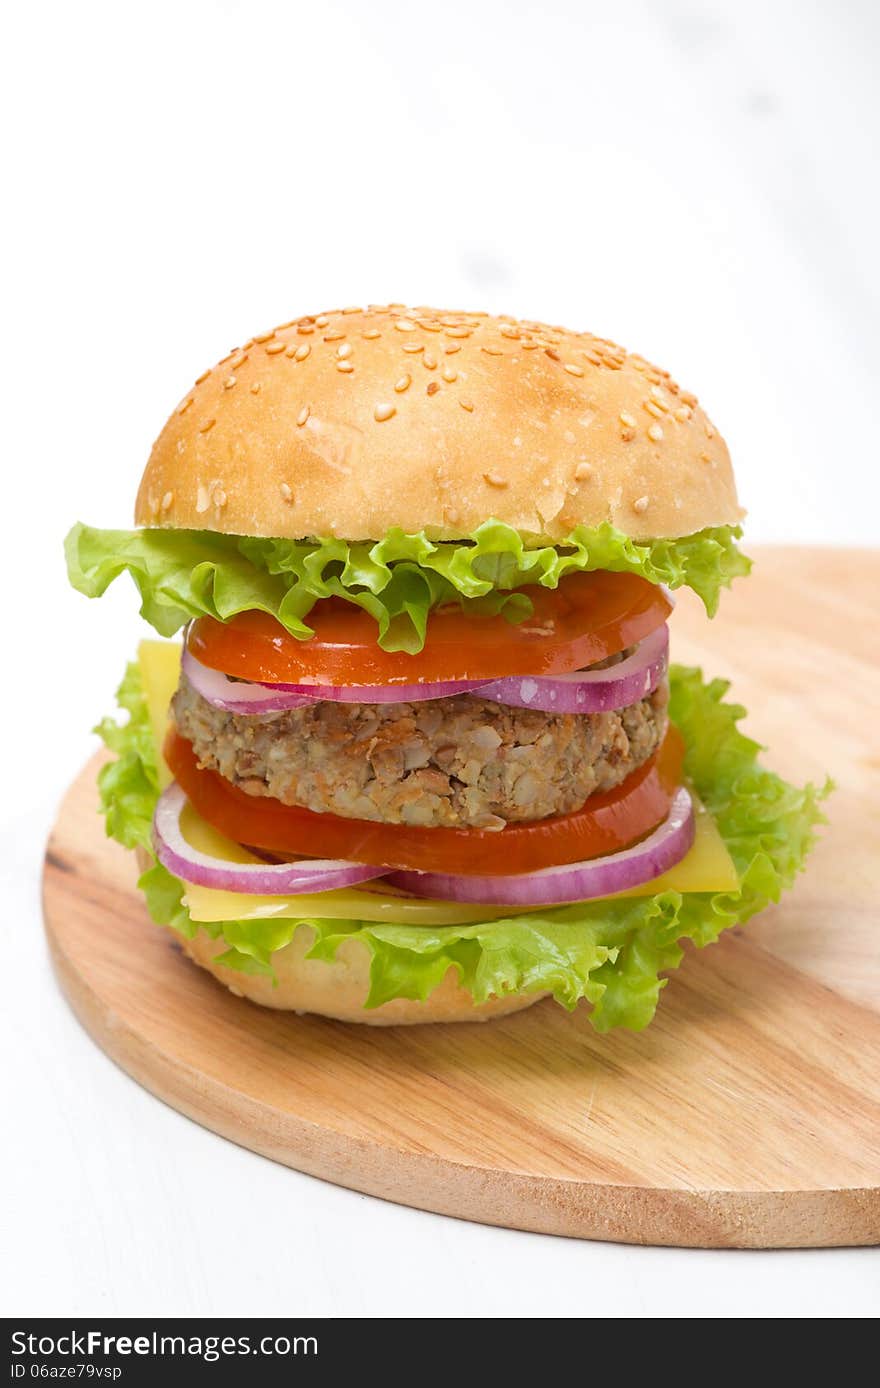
x=695, y=180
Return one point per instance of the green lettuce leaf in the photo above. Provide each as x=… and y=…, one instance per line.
x=612, y=953
x=129, y=786
x=182, y=574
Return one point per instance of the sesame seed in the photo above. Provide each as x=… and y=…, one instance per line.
x=208, y=424
x=449, y=375
x=528, y=346
x=582, y=471
x=413, y=347
x=321, y=321
x=491, y=351
x=265, y=337
x=346, y=367
x=167, y=500
x=336, y=336
x=573, y=370
x=429, y=326
x=229, y=382
x=185, y=406
x=404, y=325
x=552, y=353
x=653, y=408
x=682, y=414
x=508, y=330
x=204, y=376
x=273, y=348
x=452, y=347
x=467, y=405
x=495, y=479
x=238, y=361
x=219, y=497
x=305, y=328
x=459, y=332
x=429, y=362
x=345, y=349
x=655, y=433
x=303, y=415
x=302, y=351
x=640, y=505
x=353, y=309
x=658, y=394
x=403, y=384
x=433, y=387
x=710, y=432
x=256, y=388
x=371, y=334
x=286, y=492
x=626, y=418
x=382, y=411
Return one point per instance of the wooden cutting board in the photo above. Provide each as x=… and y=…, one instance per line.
x=747, y=1115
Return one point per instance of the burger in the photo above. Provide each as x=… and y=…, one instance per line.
x=421, y=755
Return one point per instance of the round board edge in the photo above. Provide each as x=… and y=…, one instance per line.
x=641, y=1215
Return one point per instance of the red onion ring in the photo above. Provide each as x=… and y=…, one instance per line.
x=597, y=877
x=261, y=879
x=582, y=691
x=384, y=693
x=238, y=696
x=589, y=691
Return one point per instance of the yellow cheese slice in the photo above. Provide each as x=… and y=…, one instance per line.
x=159, y=663
x=708, y=866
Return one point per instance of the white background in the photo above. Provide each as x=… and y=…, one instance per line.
x=696, y=180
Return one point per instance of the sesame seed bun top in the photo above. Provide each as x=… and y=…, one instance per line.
x=350, y=422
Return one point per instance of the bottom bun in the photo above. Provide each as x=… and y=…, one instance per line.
x=339, y=989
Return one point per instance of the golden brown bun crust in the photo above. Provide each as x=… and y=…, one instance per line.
x=351, y=422
x=339, y=989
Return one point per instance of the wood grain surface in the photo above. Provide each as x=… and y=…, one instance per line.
x=747, y=1115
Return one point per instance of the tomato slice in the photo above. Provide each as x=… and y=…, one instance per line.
x=587, y=618
x=606, y=823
